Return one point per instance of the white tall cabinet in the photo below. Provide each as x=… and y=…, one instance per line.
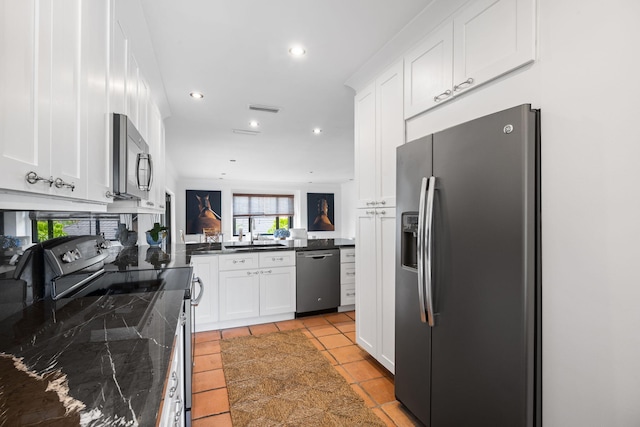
x=379, y=130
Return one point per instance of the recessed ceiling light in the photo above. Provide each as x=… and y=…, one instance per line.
x=223, y=173
x=311, y=172
x=232, y=160
x=317, y=131
x=254, y=124
x=297, y=51
x=196, y=95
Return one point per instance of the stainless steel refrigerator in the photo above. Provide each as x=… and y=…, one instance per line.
x=468, y=318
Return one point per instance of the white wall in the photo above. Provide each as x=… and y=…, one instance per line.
x=229, y=187
x=349, y=206
x=585, y=84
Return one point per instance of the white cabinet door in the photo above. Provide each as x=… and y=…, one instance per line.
x=277, y=290
x=386, y=272
x=365, y=146
x=206, y=313
x=491, y=38
x=68, y=153
x=239, y=294
x=366, y=287
x=428, y=72
x=94, y=88
x=131, y=87
x=20, y=149
x=389, y=132
x=118, y=69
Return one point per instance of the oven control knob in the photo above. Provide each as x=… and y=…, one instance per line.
x=71, y=256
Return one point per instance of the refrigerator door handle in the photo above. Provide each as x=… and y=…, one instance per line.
x=420, y=247
x=429, y=250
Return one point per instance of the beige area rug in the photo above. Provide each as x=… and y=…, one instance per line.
x=281, y=379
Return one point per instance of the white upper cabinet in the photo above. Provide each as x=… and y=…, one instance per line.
x=428, y=71
x=21, y=151
x=118, y=69
x=95, y=126
x=485, y=40
x=379, y=129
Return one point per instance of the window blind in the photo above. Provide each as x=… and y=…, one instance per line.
x=262, y=204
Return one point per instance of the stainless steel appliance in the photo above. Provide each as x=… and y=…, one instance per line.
x=317, y=280
x=132, y=165
x=468, y=319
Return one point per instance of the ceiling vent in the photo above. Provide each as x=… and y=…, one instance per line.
x=246, y=132
x=264, y=108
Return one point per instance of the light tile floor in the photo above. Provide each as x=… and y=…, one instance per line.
x=333, y=334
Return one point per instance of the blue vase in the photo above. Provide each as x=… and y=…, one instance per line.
x=152, y=242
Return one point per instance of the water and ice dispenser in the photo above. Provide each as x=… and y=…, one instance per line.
x=409, y=243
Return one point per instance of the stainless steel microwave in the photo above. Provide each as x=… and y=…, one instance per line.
x=132, y=165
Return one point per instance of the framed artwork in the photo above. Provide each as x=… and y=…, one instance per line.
x=320, y=212
x=203, y=210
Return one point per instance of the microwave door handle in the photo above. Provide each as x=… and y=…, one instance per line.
x=147, y=184
x=139, y=159
x=150, y=180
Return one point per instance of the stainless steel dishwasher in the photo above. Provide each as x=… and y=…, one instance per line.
x=317, y=280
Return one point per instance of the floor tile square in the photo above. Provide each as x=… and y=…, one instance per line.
x=367, y=400
x=351, y=336
x=349, y=353
x=363, y=370
x=265, y=328
x=346, y=327
x=235, y=332
x=210, y=403
x=329, y=357
x=222, y=420
x=207, y=362
x=380, y=413
x=207, y=347
x=314, y=321
x=380, y=389
x=288, y=325
x=320, y=331
x=333, y=341
x=207, y=336
x=317, y=344
x=208, y=380
x=338, y=318
x=351, y=314
x=345, y=374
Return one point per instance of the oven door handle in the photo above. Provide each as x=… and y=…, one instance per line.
x=196, y=301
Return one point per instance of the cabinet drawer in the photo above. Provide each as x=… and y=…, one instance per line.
x=348, y=255
x=278, y=259
x=347, y=295
x=244, y=261
x=347, y=273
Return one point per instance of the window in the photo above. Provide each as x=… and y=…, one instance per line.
x=46, y=226
x=262, y=213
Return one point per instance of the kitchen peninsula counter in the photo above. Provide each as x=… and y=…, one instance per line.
x=105, y=357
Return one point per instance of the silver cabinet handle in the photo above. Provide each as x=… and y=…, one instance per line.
x=421, y=234
x=179, y=408
x=429, y=250
x=236, y=261
x=351, y=294
x=383, y=202
x=33, y=177
x=459, y=86
x=174, y=387
x=150, y=204
x=59, y=183
x=382, y=212
x=370, y=212
x=443, y=95
x=265, y=272
x=199, y=282
x=277, y=259
x=350, y=274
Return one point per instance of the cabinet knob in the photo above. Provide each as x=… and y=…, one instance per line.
x=59, y=183
x=33, y=177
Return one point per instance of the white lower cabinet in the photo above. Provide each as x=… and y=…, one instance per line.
x=375, y=283
x=206, y=313
x=173, y=400
x=245, y=288
x=347, y=277
x=239, y=294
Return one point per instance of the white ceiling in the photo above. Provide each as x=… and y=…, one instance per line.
x=236, y=53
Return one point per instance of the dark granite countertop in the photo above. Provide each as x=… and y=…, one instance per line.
x=179, y=255
x=104, y=355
